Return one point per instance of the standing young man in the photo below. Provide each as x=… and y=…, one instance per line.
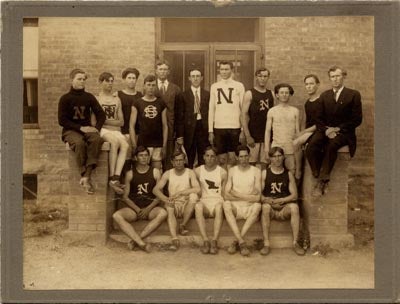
x=74, y=115
x=279, y=199
x=242, y=198
x=192, y=119
x=171, y=94
x=212, y=179
x=283, y=125
x=224, y=118
x=151, y=114
x=337, y=119
x=140, y=200
x=183, y=188
x=256, y=104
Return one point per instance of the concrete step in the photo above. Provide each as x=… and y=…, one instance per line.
x=280, y=234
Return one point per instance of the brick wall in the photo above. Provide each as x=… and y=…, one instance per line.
x=297, y=46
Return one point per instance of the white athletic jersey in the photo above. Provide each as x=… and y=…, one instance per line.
x=283, y=127
x=244, y=181
x=226, y=98
x=178, y=182
x=110, y=105
x=210, y=182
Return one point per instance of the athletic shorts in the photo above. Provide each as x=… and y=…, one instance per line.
x=155, y=153
x=257, y=153
x=282, y=214
x=116, y=134
x=209, y=205
x=181, y=202
x=243, y=209
x=226, y=140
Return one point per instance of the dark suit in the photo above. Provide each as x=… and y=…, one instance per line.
x=171, y=98
x=193, y=131
x=346, y=113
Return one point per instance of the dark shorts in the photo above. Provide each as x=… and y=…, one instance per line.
x=226, y=140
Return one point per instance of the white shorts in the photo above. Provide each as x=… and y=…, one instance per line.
x=257, y=153
x=243, y=209
x=116, y=134
x=209, y=204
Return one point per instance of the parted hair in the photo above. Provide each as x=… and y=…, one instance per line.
x=128, y=71
x=105, y=76
x=283, y=85
x=73, y=73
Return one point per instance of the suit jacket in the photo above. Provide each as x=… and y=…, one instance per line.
x=171, y=98
x=346, y=114
x=186, y=122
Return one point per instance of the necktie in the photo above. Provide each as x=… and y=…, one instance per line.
x=163, y=89
x=196, y=102
x=335, y=94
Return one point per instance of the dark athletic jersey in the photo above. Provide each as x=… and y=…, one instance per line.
x=142, y=184
x=276, y=185
x=126, y=103
x=259, y=106
x=311, y=108
x=150, y=122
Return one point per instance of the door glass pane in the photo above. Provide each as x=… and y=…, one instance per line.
x=175, y=59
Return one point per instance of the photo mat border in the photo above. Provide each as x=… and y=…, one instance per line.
x=386, y=14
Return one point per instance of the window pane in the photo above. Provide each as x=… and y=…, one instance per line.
x=29, y=186
x=30, y=111
x=175, y=60
x=209, y=29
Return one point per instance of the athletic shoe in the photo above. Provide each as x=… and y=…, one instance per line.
x=116, y=186
x=214, y=247
x=244, y=251
x=306, y=243
x=146, y=247
x=206, y=247
x=183, y=230
x=234, y=247
x=298, y=249
x=132, y=245
x=86, y=185
x=318, y=189
x=175, y=245
x=265, y=250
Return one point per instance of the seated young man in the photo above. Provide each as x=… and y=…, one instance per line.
x=242, y=198
x=212, y=179
x=142, y=204
x=279, y=199
x=183, y=188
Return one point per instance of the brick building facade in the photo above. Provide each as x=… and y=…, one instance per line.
x=290, y=47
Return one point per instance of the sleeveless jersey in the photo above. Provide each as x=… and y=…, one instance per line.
x=178, y=182
x=283, y=127
x=210, y=182
x=150, y=122
x=312, y=109
x=110, y=107
x=126, y=104
x=244, y=181
x=141, y=190
x=276, y=185
x=259, y=106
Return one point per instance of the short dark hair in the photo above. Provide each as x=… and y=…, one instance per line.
x=176, y=153
x=128, y=71
x=283, y=85
x=336, y=67
x=226, y=62
x=273, y=150
x=258, y=72
x=149, y=78
x=140, y=149
x=105, y=76
x=195, y=69
x=73, y=73
x=242, y=148
x=311, y=76
x=161, y=62
x=211, y=148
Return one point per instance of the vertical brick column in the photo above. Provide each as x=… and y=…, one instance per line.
x=327, y=215
x=89, y=215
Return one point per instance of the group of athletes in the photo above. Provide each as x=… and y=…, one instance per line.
x=227, y=152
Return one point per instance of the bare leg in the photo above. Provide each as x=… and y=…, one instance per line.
x=223, y=161
x=172, y=222
x=298, y=156
x=294, y=221
x=112, y=158
x=255, y=211
x=218, y=220
x=265, y=222
x=123, y=217
x=231, y=159
x=199, y=209
x=230, y=218
x=123, y=149
x=156, y=217
x=189, y=208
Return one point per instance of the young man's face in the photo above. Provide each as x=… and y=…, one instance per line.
x=225, y=71
x=283, y=95
x=311, y=85
x=130, y=80
x=107, y=84
x=179, y=162
x=150, y=87
x=277, y=159
x=79, y=81
x=262, y=79
x=336, y=78
x=210, y=159
x=243, y=158
x=142, y=158
x=195, y=78
x=162, y=71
